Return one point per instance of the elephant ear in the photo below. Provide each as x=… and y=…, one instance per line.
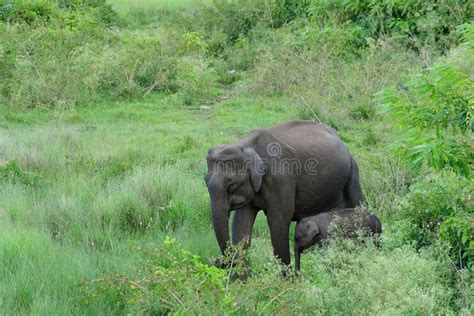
x=256, y=167
x=313, y=229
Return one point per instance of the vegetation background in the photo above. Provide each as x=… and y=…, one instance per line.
x=107, y=109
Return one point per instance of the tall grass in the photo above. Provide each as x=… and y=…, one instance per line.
x=105, y=121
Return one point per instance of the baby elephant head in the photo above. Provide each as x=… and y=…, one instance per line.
x=306, y=232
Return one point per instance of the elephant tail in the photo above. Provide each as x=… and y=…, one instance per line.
x=353, y=194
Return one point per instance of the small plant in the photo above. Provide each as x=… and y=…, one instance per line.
x=12, y=171
x=171, y=280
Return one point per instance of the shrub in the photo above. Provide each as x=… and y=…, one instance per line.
x=75, y=58
x=322, y=84
x=27, y=11
x=171, y=280
x=342, y=278
x=195, y=79
x=37, y=13
x=418, y=23
x=284, y=11
x=434, y=117
x=440, y=207
x=58, y=67
x=135, y=64
x=41, y=64
x=339, y=40
x=235, y=18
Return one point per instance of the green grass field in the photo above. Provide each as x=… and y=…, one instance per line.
x=107, y=178
x=106, y=119
x=92, y=185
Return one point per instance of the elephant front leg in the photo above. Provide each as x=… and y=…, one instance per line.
x=242, y=225
x=279, y=215
x=279, y=233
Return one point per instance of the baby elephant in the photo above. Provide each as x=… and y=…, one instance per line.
x=314, y=229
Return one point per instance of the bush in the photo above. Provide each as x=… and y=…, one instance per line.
x=76, y=58
x=43, y=65
x=440, y=207
x=323, y=85
x=285, y=11
x=235, y=18
x=66, y=52
x=417, y=23
x=434, y=115
x=134, y=65
x=27, y=11
x=172, y=280
x=37, y=13
x=195, y=79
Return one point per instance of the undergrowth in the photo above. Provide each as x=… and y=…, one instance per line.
x=107, y=109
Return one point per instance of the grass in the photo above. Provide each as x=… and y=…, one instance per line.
x=91, y=190
x=124, y=6
x=81, y=187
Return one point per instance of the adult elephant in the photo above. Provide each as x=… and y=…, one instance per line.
x=290, y=170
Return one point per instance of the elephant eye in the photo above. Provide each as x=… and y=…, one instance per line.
x=233, y=187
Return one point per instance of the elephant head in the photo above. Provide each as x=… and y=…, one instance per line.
x=306, y=233
x=235, y=175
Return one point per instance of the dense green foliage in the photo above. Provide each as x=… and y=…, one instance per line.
x=43, y=12
x=107, y=109
x=173, y=280
x=436, y=114
x=416, y=23
x=440, y=207
x=85, y=54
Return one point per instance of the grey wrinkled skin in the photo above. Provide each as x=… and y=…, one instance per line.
x=313, y=230
x=281, y=192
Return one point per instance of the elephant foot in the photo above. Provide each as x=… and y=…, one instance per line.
x=220, y=263
x=238, y=266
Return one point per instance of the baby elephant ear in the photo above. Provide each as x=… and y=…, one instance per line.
x=256, y=167
x=313, y=229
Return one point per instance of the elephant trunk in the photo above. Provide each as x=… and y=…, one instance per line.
x=297, y=257
x=220, y=209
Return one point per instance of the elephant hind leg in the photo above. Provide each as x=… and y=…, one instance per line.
x=353, y=194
